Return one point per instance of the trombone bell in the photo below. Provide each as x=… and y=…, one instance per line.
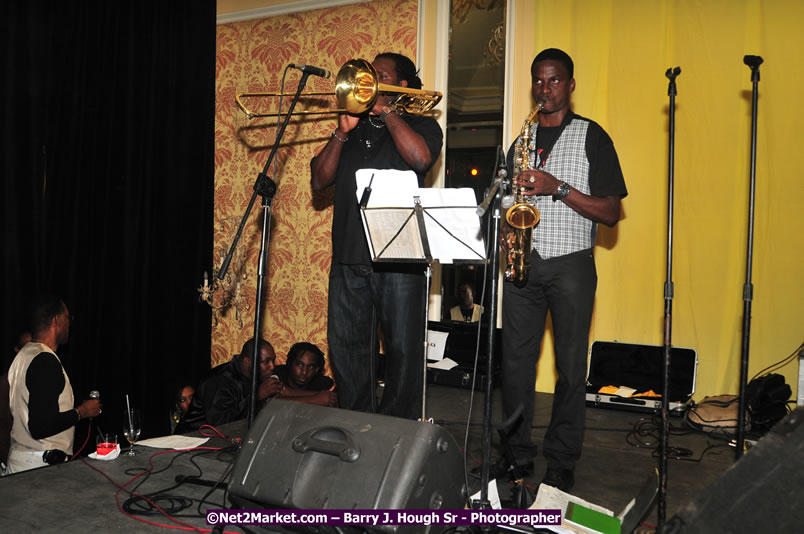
x=356, y=89
x=356, y=86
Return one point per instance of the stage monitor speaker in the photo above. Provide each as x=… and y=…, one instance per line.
x=301, y=456
x=761, y=492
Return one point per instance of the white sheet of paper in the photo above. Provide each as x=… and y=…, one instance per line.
x=445, y=364
x=173, y=442
x=494, y=495
x=389, y=188
x=436, y=344
x=625, y=391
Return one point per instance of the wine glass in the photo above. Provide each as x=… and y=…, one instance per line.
x=131, y=428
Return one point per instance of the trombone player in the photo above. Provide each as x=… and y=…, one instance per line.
x=362, y=293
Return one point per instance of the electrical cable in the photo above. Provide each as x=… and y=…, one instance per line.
x=175, y=503
x=89, y=433
x=489, y=373
x=778, y=365
x=645, y=434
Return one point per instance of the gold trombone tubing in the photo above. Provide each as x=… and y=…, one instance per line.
x=356, y=89
x=254, y=114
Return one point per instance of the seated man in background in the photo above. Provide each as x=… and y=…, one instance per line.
x=303, y=376
x=466, y=310
x=22, y=339
x=226, y=394
x=181, y=404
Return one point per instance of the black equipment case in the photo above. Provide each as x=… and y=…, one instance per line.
x=301, y=456
x=640, y=367
x=461, y=346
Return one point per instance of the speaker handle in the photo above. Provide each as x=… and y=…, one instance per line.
x=346, y=448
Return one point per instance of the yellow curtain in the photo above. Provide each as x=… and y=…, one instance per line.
x=621, y=50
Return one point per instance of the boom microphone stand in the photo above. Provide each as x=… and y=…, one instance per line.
x=748, y=289
x=266, y=188
x=672, y=74
x=494, y=198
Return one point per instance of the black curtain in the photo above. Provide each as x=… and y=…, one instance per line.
x=107, y=190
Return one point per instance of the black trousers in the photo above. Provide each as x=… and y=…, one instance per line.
x=565, y=286
x=398, y=299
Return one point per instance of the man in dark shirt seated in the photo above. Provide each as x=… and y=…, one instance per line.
x=225, y=395
x=303, y=376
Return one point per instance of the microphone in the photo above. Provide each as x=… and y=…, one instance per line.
x=503, y=167
x=309, y=69
x=753, y=61
x=94, y=395
x=502, y=174
x=365, y=197
x=484, y=206
x=366, y=193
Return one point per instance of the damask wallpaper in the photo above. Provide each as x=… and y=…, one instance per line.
x=251, y=56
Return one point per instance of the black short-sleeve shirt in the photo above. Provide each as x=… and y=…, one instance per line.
x=370, y=147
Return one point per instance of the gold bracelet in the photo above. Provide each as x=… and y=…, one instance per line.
x=79, y=413
x=342, y=140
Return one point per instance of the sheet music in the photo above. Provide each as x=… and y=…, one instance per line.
x=390, y=188
x=453, y=209
x=384, y=225
x=460, y=216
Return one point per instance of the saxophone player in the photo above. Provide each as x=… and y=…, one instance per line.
x=575, y=181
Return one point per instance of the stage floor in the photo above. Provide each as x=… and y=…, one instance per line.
x=73, y=497
x=611, y=471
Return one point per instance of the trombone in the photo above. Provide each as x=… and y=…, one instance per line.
x=356, y=89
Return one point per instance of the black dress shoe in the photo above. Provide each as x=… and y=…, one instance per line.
x=500, y=468
x=562, y=479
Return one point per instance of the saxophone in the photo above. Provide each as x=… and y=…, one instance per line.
x=520, y=215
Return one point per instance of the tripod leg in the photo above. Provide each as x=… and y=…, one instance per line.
x=373, y=360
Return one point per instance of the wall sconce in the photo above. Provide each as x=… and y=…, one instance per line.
x=226, y=293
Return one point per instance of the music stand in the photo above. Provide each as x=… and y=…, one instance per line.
x=408, y=224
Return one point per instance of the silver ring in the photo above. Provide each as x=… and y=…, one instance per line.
x=532, y=179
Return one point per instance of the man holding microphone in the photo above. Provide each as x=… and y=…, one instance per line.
x=41, y=397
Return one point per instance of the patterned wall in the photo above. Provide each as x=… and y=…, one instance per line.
x=251, y=56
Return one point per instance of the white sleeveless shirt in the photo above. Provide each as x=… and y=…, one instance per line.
x=19, y=395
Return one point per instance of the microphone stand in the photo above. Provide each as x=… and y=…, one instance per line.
x=266, y=188
x=494, y=198
x=671, y=74
x=748, y=289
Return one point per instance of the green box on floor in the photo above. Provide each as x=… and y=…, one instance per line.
x=591, y=519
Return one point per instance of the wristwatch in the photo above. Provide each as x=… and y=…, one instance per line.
x=385, y=112
x=563, y=191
